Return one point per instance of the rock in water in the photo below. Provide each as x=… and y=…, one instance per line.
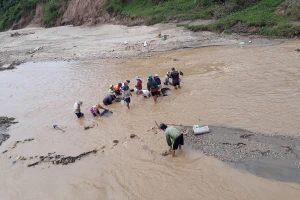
x=116, y=141
x=165, y=153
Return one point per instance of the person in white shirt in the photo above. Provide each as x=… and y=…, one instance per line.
x=145, y=93
x=77, y=110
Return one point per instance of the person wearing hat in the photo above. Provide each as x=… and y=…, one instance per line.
x=126, y=94
x=95, y=110
x=175, y=78
x=173, y=136
x=152, y=87
x=117, y=89
x=158, y=81
x=77, y=110
x=139, y=84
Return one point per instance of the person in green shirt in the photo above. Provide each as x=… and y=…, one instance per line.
x=173, y=136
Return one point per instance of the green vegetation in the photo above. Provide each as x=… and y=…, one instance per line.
x=53, y=10
x=260, y=14
x=266, y=17
x=13, y=10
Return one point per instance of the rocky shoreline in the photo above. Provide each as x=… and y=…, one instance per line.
x=238, y=145
x=270, y=156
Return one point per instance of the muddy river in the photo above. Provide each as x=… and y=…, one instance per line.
x=254, y=88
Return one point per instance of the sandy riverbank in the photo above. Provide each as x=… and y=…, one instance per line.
x=107, y=41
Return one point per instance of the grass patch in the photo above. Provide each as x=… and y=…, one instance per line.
x=260, y=15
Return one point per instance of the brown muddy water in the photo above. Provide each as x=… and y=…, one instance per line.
x=255, y=88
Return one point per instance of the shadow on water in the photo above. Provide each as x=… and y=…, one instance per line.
x=285, y=171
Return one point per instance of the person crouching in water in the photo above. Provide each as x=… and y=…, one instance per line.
x=167, y=79
x=109, y=99
x=158, y=81
x=126, y=94
x=139, y=84
x=173, y=136
x=145, y=93
x=152, y=87
x=77, y=110
x=95, y=110
x=117, y=89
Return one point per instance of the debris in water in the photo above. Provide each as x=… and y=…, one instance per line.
x=4, y=151
x=59, y=159
x=56, y=127
x=165, y=153
x=116, y=141
x=133, y=136
x=246, y=135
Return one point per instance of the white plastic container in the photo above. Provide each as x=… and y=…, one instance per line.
x=200, y=130
x=122, y=102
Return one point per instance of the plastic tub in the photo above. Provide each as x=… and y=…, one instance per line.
x=200, y=130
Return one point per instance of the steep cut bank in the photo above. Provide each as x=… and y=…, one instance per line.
x=266, y=17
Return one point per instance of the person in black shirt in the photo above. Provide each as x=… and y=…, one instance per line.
x=175, y=78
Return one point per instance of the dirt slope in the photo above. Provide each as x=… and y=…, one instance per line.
x=79, y=12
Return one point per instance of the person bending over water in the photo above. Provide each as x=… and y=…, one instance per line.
x=145, y=93
x=173, y=136
x=77, y=110
x=95, y=110
x=117, y=89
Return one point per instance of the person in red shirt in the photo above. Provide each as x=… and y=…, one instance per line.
x=139, y=84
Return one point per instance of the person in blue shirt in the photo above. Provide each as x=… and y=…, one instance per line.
x=158, y=81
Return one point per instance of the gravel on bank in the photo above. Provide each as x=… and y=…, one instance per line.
x=242, y=146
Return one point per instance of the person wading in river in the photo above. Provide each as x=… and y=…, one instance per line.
x=158, y=81
x=139, y=84
x=173, y=136
x=175, y=78
x=152, y=87
x=126, y=94
x=76, y=109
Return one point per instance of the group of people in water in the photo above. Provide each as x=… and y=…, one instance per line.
x=122, y=92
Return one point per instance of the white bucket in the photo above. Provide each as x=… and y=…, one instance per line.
x=200, y=130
